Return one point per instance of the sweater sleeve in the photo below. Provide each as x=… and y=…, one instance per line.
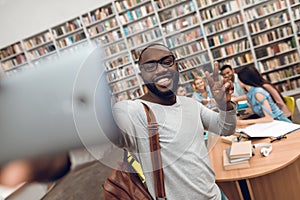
x=221, y=123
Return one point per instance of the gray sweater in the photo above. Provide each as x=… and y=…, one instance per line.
x=187, y=170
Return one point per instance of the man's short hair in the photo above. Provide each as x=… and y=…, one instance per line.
x=151, y=45
x=225, y=67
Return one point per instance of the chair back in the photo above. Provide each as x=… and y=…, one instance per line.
x=298, y=104
x=290, y=103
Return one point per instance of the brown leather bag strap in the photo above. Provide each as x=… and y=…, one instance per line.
x=155, y=154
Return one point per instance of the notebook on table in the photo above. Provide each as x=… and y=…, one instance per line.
x=269, y=129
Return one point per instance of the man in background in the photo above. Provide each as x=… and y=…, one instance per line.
x=228, y=74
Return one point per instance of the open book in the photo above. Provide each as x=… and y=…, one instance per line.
x=269, y=129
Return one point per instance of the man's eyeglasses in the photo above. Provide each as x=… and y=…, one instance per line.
x=165, y=62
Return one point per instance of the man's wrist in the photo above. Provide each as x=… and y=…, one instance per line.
x=230, y=105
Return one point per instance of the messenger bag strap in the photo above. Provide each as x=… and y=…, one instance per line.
x=155, y=154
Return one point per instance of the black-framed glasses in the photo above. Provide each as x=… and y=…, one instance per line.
x=166, y=62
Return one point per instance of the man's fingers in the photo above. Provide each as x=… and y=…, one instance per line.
x=216, y=71
x=209, y=79
x=229, y=88
x=15, y=173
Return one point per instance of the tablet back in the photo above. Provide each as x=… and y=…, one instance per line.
x=60, y=105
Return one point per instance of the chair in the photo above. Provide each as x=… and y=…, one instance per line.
x=298, y=104
x=290, y=103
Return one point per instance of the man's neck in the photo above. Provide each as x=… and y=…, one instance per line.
x=169, y=100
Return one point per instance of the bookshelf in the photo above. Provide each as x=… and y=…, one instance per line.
x=68, y=33
x=39, y=46
x=12, y=57
x=262, y=33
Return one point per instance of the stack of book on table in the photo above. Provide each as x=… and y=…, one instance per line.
x=238, y=155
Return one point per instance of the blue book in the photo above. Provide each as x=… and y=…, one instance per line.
x=129, y=16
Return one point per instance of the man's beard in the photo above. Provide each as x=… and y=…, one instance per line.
x=152, y=87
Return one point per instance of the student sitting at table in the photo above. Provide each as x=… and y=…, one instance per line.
x=275, y=94
x=202, y=92
x=260, y=100
x=228, y=73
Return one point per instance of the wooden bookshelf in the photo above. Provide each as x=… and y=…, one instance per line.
x=241, y=33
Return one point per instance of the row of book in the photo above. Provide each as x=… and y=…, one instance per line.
x=296, y=12
x=188, y=76
x=114, y=48
x=129, y=94
x=193, y=62
x=117, y=62
x=293, y=2
x=231, y=49
x=135, y=53
x=38, y=40
x=127, y=4
x=67, y=27
x=141, y=25
x=273, y=63
x=276, y=34
x=180, y=24
x=176, y=12
x=124, y=85
x=219, y=10
x=238, y=60
x=204, y=3
x=226, y=37
x=41, y=51
x=289, y=85
x=120, y=73
x=273, y=21
x=101, y=13
x=184, y=37
x=110, y=37
x=133, y=15
x=264, y=9
x=14, y=62
x=11, y=51
x=274, y=77
x=275, y=49
x=144, y=37
x=189, y=49
x=103, y=26
x=223, y=24
x=98, y=15
x=64, y=42
x=160, y=4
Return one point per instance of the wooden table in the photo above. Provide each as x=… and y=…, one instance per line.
x=274, y=177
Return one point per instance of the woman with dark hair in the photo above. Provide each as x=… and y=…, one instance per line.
x=259, y=81
x=260, y=100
